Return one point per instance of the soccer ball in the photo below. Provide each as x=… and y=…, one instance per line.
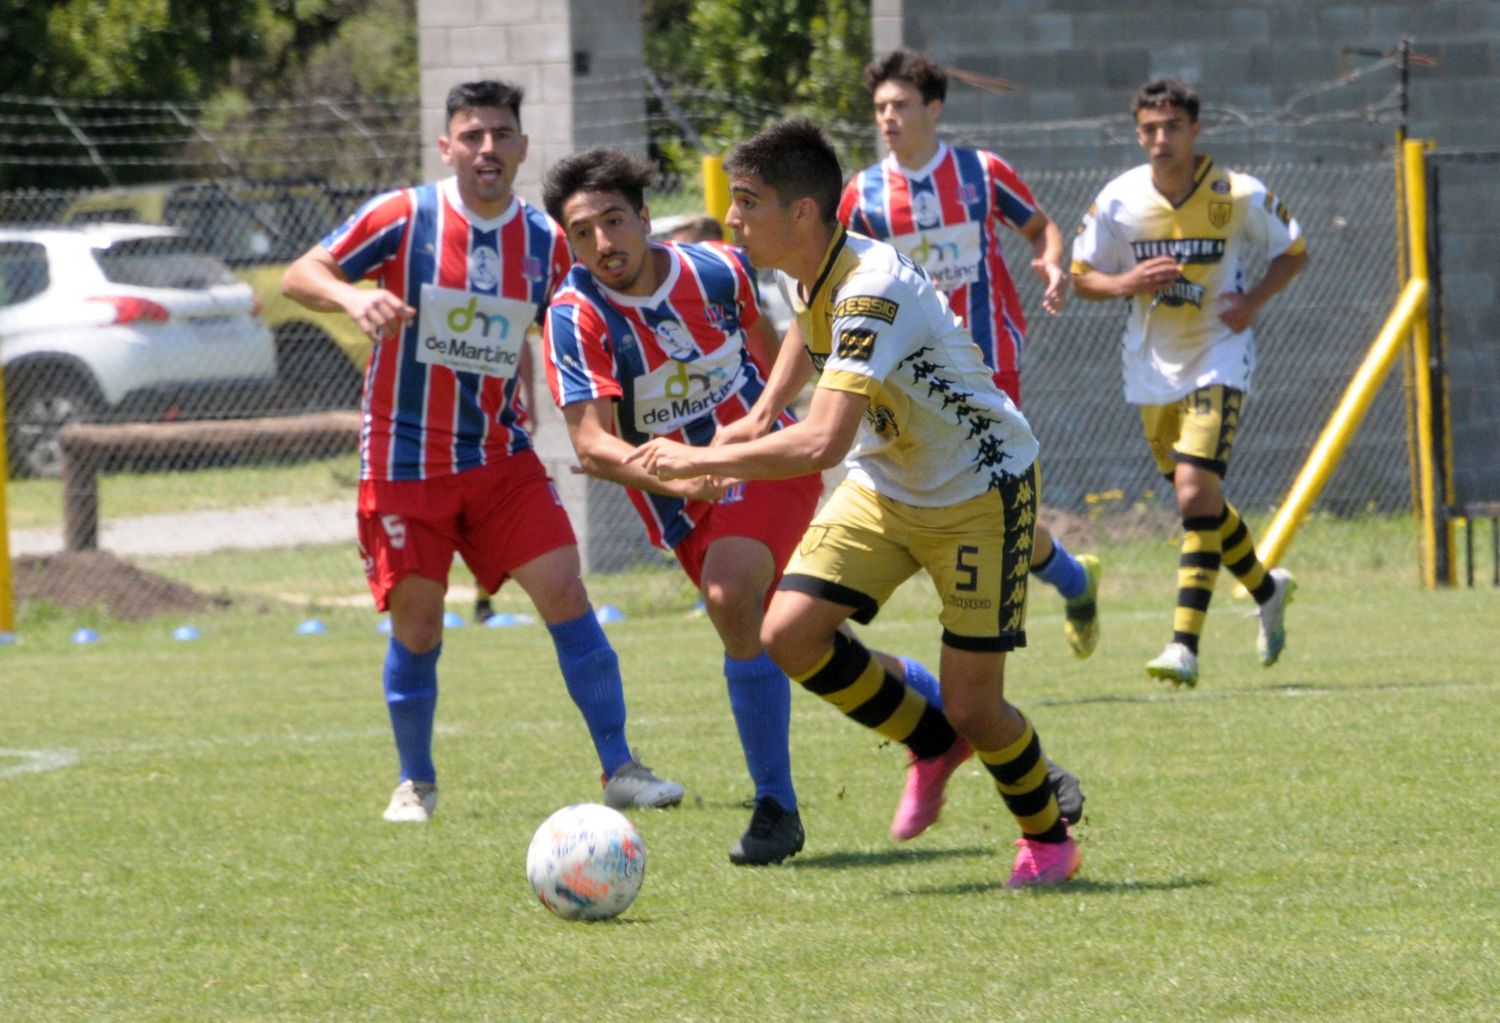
x=586, y=862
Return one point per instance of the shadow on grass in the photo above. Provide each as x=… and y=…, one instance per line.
x=1169, y=695
x=885, y=857
x=1077, y=886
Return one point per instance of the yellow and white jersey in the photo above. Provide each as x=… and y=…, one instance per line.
x=937, y=430
x=1174, y=341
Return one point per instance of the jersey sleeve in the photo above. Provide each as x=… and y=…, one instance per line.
x=875, y=321
x=1097, y=246
x=579, y=366
x=850, y=215
x=1268, y=223
x=1010, y=197
x=364, y=242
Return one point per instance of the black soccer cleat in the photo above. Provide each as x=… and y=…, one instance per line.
x=773, y=835
x=1069, y=793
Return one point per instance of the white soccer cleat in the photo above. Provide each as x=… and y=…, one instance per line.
x=1271, y=639
x=635, y=785
x=1176, y=664
x=412, y=802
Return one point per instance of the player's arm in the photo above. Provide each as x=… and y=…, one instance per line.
x=604, y=455
x=1047, y=258
x=1238, y=311
x=316, y=281
x=818, y=442
x=1150, y=275
x=788, y=376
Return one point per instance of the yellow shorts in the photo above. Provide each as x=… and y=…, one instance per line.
x=1198, y=429
x=861, y=546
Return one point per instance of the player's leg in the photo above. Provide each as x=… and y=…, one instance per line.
x=1076, y=579
x=517, y=528
x=406, y=559
x=968, y=557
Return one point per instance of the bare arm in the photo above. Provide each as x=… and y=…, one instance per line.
x=603, y=455
x=316, y=280
x=1238, y=311
x=816, y=443
x=1047, y=258
x=1150, y=275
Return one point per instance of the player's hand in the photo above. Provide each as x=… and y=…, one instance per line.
x=737, y=432
x=1056, y=278
x=665, y=459
x=704, y=488
x=378, y=313
x=1235, y=312
x=1155, y=274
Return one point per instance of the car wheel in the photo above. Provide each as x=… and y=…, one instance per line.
x=39, y=402
x=313, y=373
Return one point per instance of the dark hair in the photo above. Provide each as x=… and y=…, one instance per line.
x=915, y=69
x=704, y=227
x=488, y=93
x=596, y=170
x=1166, y=92
x=796, y=159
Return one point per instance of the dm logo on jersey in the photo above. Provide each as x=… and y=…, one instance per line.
x=675, y=339
x=1218, y=213
x=926, y=209
x=484, y=268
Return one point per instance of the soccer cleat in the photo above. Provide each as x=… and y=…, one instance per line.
x=922, y=800
x=635, y=785
x=1069, y=793
x=1176, y=664
x=412, y=802
x=1081, y=615
x=773, y=835
x=1043, y=864
x=483, y=610
x=1271, y=639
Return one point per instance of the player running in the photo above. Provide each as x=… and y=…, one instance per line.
x=462, y=269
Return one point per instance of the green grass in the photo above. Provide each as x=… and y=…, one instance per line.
x=1316, y=842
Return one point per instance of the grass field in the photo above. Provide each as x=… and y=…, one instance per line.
x=192, y=830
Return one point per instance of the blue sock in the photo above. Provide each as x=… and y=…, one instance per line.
x=923, y=681
x=411, y=696
x=761, y=698
x=1063, y=572
x=592, y=673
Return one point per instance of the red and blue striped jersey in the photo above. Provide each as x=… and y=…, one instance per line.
x=674, y=362
x=945, y=216
x=444, y=395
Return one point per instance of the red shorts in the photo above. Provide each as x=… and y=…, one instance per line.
x=775, y=512
x=496, y=517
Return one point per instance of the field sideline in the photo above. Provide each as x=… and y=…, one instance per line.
x=192, y=831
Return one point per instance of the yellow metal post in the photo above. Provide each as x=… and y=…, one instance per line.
x=1421, y=343
x=1410, y=308
x=715, y=187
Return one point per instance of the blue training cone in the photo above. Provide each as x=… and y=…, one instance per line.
x=85, y=636
x=186, y=633
x=311, y=627
x=384, y=625
x=7, y=639
x=453, y=620
x=609, y=613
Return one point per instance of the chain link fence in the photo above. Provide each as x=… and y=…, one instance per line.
x=266, y=481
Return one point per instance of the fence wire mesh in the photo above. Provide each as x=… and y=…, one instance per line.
x=188, y=508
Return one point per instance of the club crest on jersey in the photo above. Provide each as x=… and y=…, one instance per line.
x=719, y=315
x=1219, y=213
x=533, y=269
x=484, y=268
x=675, y=340
x=1220, y=186
x=926, y=209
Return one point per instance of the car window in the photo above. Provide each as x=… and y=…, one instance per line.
x=23, y=271
x=161, y=263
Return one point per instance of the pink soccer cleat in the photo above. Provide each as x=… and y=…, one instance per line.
x=1043, y=864
x=923, y=799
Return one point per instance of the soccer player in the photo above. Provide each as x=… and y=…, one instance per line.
x=1174, y=237
x=645, y=339
x=943, y=206
x=462, y=268
x=942, y=477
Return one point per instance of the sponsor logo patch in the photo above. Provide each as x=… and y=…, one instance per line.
x=856, y=344
x=867, y=305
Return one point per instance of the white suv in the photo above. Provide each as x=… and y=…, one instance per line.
x=121, y=322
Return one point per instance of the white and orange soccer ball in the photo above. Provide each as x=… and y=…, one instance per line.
x=586, y=862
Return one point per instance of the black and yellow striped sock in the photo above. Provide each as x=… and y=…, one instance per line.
x=1240, y=557
x=855, y=683
x=1020, y=773
x=1197, y=571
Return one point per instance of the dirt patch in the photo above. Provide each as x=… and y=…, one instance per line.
x=1112, y=525
x=82, y=580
